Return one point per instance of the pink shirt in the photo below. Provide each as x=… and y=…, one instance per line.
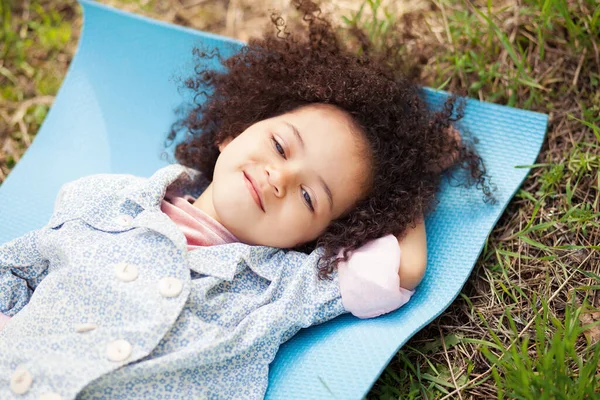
x=369, y=282
x=199, y=228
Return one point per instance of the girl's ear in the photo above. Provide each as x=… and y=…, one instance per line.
x=224, y=143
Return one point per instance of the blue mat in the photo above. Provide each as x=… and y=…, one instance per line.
x=112, y=114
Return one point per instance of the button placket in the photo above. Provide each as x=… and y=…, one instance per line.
x=126, y=272
x=124, y=220
x=118, y=350
x=20, y=380
x=170, y=287
x=82, y=328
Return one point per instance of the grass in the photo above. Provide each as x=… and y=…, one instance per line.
x=545, y=367
x=522, y=327
x=36, y=45
x=525, y=326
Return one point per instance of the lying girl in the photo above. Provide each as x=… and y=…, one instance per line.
x=299, y=195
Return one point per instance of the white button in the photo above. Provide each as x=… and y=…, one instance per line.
x=124, y=220
x=126, y=272
x=50, y=396
x=170, y=287
x=118, y=350
x=85, y=327
x=21, y=380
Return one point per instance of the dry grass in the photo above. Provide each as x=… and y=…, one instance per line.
x=543, y=250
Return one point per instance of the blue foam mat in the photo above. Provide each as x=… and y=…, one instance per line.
x=112, y=113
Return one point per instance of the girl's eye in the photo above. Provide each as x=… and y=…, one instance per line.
x=308, y=200
x=278, y=147
x=281, y=151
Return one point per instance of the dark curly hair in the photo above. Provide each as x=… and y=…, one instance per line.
x=280, y=72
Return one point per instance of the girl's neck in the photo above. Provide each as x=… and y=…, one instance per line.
x=205, y=203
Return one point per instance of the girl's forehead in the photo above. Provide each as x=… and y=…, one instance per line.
x=325, y=123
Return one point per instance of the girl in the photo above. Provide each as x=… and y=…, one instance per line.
x=299, y=195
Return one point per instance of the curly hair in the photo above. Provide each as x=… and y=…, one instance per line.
x=280, y=72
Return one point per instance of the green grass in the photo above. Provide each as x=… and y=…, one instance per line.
x=549, y=365
x=539, y=55
x=36, y=43
x=44, y=36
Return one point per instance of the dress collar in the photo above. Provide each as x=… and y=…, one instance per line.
x=177, y=179
x=223, y=261
x=141, y=202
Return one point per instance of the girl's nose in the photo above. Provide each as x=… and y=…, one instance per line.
x=280, y=179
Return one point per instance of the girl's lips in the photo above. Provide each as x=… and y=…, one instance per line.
x=253, y=191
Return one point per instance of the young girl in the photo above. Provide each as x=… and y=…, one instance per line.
x=299, y=195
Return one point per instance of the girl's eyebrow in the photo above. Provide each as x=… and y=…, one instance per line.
x=296, y=133
x=323, y=183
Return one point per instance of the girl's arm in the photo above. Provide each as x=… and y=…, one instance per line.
x=413, y=259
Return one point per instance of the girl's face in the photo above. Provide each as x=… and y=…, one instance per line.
x=308, y=168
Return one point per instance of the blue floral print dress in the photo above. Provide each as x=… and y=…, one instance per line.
x=107, y=302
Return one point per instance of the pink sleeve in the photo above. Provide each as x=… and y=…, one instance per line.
x=369, y=281
x=3, y=320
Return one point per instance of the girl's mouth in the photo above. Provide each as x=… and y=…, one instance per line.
x=253, y=191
